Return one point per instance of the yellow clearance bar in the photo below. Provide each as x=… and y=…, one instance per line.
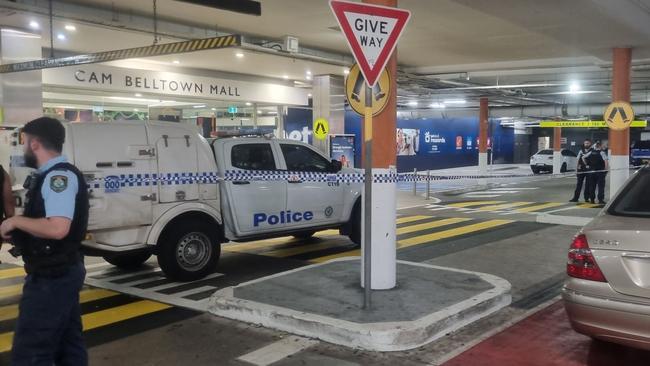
x=585, y=124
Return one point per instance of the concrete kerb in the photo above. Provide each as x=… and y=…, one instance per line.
x=383, y=336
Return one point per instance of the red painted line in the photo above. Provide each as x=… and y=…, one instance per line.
x=546, y=339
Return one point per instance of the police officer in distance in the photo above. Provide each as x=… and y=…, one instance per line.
x=597, y=163
x=49, y=235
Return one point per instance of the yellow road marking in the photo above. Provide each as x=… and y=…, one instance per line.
x=407, y=219
x=12, y=272
x=103, y=317
x=307, y=248
x=11, y=311
x=241, y=247
x=451, y=233
x=504, y=205
x=473, y=203
x=539, y=207
x=9, y=291
x=588, y=205
x=430, y=225
x=351, y=253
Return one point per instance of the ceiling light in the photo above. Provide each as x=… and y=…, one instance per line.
x=249, y=104
x=455, y=101
x=61, y=36
x=574, y=87
x=138, y=94
x=346, y=71
x=308, y=72
x=309, y=95
x=285, y=76
x=412, y=103
x=260, y=112
x=213, y=109
x=199, y=106
x=437, y=105
x=135, y=109
x=70, y=27
x=239, y=54
x=34, y=24
x=308, y=77
x=176, y=62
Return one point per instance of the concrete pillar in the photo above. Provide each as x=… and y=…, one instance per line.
x=328, y=102
x=557, y=150
x=483, y=136
x=384, y=195
x=619, y=141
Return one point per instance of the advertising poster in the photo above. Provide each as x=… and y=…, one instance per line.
x=408, y=141
x=342, y=149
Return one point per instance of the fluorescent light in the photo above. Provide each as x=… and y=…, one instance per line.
x=574, y=87
x=260, y=111
x=199, y=106
x=412, y=103
x=455, y=101
x=70, y=27
x=346, y=71
x=61, y=36
x=308, y=72
x=285, y=76
x=309, y=95
x=138, y=94
x=308, y=77
x=34, y=24
x=214, y=109
x=239, y=54
x=135, y=109
x=249, y=104
x=176, y=62
x=437, y=105
x=273, y=112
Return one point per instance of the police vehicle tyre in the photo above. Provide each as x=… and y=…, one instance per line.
x=189, y=250
x=355, y=224
x=304, y=235
x=128, y=261
x=563, y=168
x=535, y=170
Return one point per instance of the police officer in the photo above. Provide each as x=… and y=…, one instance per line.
x=49, y=235
x=597, y=164
x=581, y=175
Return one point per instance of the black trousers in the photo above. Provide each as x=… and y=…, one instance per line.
x=580, y=180
x=596, y=183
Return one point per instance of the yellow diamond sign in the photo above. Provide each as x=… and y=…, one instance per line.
x=619, y=115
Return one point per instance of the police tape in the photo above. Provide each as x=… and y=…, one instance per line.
x=113, y=183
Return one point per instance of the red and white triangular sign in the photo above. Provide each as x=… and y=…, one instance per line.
x=372, y=32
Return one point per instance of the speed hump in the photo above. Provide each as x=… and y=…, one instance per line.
x=321, y=128
x=619, y=115
x=355, y=90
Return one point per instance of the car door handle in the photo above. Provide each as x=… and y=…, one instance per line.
x=241, y=182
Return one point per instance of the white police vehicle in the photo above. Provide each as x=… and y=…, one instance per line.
x=161, y=188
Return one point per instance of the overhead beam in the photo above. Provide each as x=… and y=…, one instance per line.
x=238, y=6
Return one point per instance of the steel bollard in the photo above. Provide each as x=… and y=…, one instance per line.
x=415, y=181
x=428, y=184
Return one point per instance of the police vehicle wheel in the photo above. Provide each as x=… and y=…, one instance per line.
x=355, y=224
x=304, y=235
x=563, y=168
x=535, y=170
x=189, y=251
x=128, y=261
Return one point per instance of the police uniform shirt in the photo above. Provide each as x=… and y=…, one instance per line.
x=59, y=190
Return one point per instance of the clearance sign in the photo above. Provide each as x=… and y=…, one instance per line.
x=586, y=124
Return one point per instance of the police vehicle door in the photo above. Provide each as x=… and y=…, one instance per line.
x=177, y=166
x=322, y=197
x=252, y=201
x=114, y=157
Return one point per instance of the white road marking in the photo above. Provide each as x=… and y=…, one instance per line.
x=518, y=188
x=277, y=351
x=482, y=195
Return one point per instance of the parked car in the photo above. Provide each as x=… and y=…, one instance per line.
x=607, y=293
x=542, y=161
x=640, y=153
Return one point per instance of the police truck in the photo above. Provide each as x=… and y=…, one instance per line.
x=160, y=188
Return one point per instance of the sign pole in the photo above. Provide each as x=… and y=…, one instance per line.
x=367, y=243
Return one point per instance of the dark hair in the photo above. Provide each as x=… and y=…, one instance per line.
x=49, y=131
x=587, y=140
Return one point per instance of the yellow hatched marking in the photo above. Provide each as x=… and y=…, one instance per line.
x=473, y=203
x=10, y=291
x=404, y=220
x=282, y=253
x=430, y=225
x=588, y=205
x=103, y=318
x=539, y=207
x=505, y=205
x=351, y=253
x=268, y=243
x=451, y=233
x=12, y=272
x=11, y=311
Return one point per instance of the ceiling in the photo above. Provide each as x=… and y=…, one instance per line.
x=517, y=52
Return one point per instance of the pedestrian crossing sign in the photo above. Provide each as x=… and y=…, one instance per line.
x=321, y=128
x=619, y=115
x=355, y=91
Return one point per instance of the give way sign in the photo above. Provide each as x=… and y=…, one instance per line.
x=372, y=32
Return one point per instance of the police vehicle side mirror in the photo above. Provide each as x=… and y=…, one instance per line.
x=335, y=166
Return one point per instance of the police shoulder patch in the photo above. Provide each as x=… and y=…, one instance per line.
x=58, y=183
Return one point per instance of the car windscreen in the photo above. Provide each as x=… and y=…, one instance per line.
x=545, y=152
x=642, y=145
x=634, y=200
